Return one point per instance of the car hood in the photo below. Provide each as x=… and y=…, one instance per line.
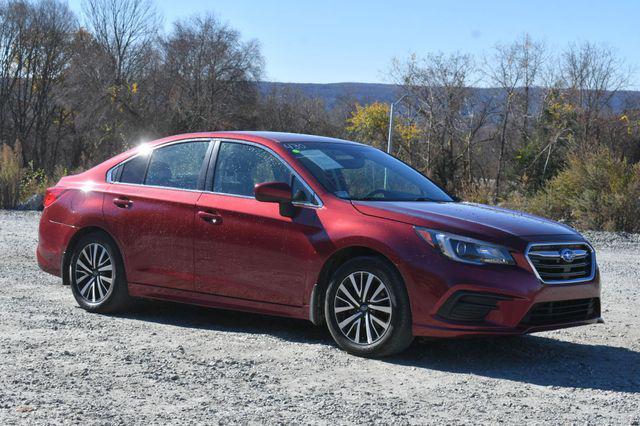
x=475, y=220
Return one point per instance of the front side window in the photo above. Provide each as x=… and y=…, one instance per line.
x=239, y=167
x=177, y=166
x=363, y=173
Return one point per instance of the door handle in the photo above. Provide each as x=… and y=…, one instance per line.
x=212, y=218
x=122, y=202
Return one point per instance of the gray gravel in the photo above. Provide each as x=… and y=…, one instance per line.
x=169, y=363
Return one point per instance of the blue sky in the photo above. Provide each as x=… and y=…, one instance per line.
x=326, y=41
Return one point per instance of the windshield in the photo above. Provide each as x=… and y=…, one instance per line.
x=362, y=173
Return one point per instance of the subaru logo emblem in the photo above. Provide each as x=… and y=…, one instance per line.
x=567, y=255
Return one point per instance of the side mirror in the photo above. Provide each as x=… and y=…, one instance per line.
x=276, y=192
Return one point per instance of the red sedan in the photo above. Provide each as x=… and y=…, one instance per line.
x=310, y=227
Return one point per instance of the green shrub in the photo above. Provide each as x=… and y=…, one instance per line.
x=595, y=191
x=36, y=181
x=10, y=175
x=17, y=183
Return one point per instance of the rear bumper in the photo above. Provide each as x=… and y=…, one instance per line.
x=53, y=238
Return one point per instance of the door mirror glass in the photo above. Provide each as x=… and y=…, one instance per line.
x=273, y=192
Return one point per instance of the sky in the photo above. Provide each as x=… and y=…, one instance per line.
x=329, y=41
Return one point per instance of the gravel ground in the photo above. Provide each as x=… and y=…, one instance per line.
x=169, y=363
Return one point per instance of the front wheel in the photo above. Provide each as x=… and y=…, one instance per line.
x=97, y=275
x=367, y=308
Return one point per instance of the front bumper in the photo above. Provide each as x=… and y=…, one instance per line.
x=513, y=313
x=510, y=294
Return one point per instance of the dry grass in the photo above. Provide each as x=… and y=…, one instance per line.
x=11, y=174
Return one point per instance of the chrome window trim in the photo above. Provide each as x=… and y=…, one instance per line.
x=157, y=187
x=319, y=204
x=559, y=282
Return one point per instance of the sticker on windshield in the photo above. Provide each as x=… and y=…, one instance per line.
x=321, y=159
x=295, y=147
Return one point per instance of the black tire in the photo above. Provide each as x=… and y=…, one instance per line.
x=375, y=341
x=97, y=297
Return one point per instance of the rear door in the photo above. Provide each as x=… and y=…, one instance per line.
x=150, y=209
x=244, y=248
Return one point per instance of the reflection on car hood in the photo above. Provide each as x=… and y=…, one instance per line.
x=477, y=218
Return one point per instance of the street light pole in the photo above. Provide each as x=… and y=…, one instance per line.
x=390, y=136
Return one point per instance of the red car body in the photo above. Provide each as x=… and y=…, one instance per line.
x=211, y=249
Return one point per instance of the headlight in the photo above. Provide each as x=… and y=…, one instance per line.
x=467, y=250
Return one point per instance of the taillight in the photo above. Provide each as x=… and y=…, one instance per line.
x=52, y=195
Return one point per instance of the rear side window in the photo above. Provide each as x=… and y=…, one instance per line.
x=177, y=166
x=133, y=170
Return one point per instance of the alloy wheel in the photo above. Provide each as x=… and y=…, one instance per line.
x=362, y=308
x=94, y=273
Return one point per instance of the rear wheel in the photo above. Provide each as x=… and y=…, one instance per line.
x=97, y=275
x=367, y=308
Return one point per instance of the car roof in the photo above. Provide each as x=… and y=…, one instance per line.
x=277, y=137
x=284, y=137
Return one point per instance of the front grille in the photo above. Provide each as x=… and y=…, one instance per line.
x=563, y=311
x=562, y=263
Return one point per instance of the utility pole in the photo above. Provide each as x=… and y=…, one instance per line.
x=391, y=108
x=390, y=137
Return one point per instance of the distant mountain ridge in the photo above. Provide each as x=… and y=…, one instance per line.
x=332, y=93
x=366, y=93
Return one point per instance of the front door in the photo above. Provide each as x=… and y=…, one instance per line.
x=243, y=247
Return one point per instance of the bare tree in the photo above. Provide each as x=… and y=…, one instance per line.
x=515, y=69
x=592, y=75
x=439, y=86
x=504, y=70
x=34, y=40
x=125, y=29
x=9, y=32
x=531, y=58
x=117, y=53
x=289, y=110
x=213, y=74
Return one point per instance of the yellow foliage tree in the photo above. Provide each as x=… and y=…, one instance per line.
x=370, y=124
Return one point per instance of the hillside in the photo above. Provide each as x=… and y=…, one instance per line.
x=366, y=93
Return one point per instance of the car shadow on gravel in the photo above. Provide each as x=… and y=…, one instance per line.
x=538, y=360
x=190, y=316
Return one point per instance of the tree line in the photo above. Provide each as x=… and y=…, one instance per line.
x=550, y=137
x=75, y=90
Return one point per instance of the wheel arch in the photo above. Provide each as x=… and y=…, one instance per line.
x=68, y=252
x=337, y=259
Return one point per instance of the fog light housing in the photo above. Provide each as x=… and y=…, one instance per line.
x=470, y=307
